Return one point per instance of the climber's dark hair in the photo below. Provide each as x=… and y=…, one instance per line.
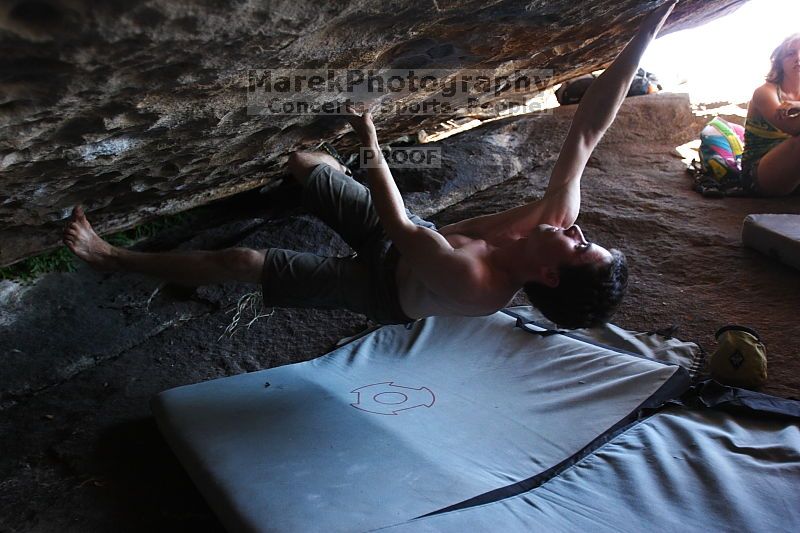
x=586, y=295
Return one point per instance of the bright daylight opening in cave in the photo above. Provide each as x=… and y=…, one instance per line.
x=726, y=59
x=720, y=63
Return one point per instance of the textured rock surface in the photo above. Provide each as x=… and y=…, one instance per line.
x=139, y=108
x=80, y=451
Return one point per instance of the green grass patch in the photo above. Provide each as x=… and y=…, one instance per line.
x=62, y=260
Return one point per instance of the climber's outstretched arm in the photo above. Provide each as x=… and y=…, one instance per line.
x=596, y=112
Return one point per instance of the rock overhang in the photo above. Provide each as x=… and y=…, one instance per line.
x=141, y=110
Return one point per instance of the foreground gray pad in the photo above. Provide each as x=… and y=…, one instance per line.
x=399, y=423
x=679, y=470
x=775, y=235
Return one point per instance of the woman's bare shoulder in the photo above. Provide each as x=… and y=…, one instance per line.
x=765, y=99
x=766, y=89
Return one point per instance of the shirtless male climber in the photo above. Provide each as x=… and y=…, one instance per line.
x=404, y=269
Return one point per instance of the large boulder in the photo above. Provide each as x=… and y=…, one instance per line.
x=140, y=109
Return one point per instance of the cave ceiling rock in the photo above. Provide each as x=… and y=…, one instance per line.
x=137, y=109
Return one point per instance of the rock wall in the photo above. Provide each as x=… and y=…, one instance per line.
x=137, y=109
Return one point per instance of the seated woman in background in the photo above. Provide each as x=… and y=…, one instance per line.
x=771, y=159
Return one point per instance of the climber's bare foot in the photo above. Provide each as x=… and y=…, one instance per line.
x=81, y=239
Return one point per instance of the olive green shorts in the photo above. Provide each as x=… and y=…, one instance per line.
x=363, y=282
